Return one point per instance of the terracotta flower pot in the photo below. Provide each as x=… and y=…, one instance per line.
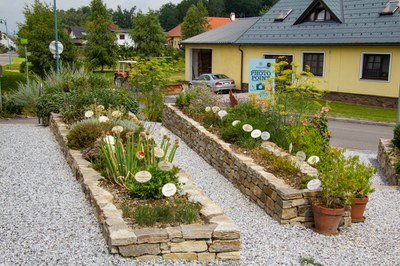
x=326, y=219
x=357, y=210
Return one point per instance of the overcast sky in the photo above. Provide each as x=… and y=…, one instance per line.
x=11, y=10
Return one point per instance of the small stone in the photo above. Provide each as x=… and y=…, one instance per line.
x=180, y=256
x=139, y=250
x=189, y=246
x=174, y=232
x=226, y=231
x=206, y=256
x=225, y=245
x=147, y=257
x=197, y=231
x=152, y=235
x=230, y=256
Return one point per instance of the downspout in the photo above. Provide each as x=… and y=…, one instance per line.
x=241, y=68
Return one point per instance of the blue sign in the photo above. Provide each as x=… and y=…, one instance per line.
x=260, y=71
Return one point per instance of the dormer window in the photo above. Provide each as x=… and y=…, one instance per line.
x=390, y=8
x=319, y=14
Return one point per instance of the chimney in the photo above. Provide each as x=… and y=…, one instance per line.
x=233, y=16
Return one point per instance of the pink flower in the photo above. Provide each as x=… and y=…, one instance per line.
x=315, y=125
x=324, y=109
x=140, y=155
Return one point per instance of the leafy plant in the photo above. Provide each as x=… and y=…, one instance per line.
x=84, y=135
x=396, y=136
x=27, y=96
x=361, y=178
x=309, y=261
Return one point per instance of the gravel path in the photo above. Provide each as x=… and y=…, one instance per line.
x=46, y=220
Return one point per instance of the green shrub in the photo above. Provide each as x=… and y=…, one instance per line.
x=49, y=103
x=27, y=96
x=185, y=97
x=205, y=97
x=84, y=135
x=396, y=136
x=152, y=189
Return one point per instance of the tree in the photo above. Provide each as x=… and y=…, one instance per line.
x=195, y=21
x=216, y=8
x=184, y=6
x=74, y=17
x=148, y=34
x=123, y=18
x=100, y=49
x=38, y=28
x=169, y=16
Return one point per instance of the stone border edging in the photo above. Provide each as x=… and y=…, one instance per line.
x=219, y=239
x=282, y=202
x=386, y=162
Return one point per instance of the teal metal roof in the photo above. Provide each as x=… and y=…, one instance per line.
x=225, y=34
x=360, y=23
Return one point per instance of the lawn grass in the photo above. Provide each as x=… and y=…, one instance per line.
x=361, y=112
x=10, y=80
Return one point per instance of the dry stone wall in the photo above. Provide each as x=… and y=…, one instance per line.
x=218, y=239
x=387, y=162
x=282, y=202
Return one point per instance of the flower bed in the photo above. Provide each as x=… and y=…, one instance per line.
x=387, y=161
x=282, y=202
x=219, y=238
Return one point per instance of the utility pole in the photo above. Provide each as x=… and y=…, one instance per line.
x=56, y=39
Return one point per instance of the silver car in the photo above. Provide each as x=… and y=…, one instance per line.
x=217, y=82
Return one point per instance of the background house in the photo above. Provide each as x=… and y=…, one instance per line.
x=174, y=36
x=5, y=40
x=123, y=36
x=351, y=46
x=77, y=35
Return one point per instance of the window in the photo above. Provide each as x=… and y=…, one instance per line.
x=390, y=8
x=319, y=13
x=316, y=63
x=280, y=58
x=375, y=66
x=283, y=14
x=122, y=36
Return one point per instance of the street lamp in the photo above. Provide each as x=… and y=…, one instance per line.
x=3, y=21
x=56, y=40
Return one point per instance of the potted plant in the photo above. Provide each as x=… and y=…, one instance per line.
x=361, y=186
x=333, y=172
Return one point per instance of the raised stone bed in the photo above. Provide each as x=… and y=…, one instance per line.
x=282, y=202
x=387, y=161
x=218, y=239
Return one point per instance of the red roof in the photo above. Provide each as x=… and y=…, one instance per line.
x=214, y=22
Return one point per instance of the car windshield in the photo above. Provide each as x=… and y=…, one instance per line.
x=220, y=76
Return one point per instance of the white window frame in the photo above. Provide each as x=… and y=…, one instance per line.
x=280, y=54
x=314, y=52
x=375, y=53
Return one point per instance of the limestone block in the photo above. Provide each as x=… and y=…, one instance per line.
x=139, y=250
x=151, y=235
x=180, y=256
x=225, y=245
x=174, y=232
x=189, y=246
x=211, y=210
x=122, y=237
x=205, y=256
x=288, y=193
x=148, y=257
x=233, y=256
x=197, y=231
x=226, y=231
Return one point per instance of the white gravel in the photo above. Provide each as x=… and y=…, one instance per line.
x=46, y=220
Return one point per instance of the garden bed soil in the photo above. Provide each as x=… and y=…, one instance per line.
x=218, y=238
x=282, y=202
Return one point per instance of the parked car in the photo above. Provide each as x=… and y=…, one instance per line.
x=217, y=82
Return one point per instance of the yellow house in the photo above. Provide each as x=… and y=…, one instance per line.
x=351, y=46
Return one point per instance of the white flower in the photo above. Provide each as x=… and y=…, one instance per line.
x=100, y=107
x=313, y=160
x=89, y=114
x=109, y=140
x=222, y=113
x=301, y=155
x=208, y=109
x=265, y=135
x=116, y=114
x=169, y=190
x=103, y=118
x=235, y=123
x=158, y=152
x=165, y=166
x=256, y=133
x=215, y=109
x=142, y=176
x=290, y=147
x=117, y=129
x=247, y=128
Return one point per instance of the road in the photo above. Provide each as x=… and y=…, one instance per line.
x=4, y=58
x=358, y=136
